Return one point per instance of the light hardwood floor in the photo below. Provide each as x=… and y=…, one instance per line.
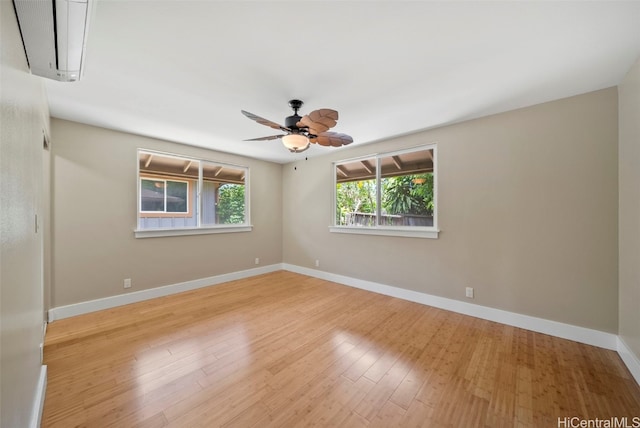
x=284, y=350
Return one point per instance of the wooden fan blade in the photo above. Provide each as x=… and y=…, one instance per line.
x=321, y=141
x=265, y=122
x=334, y=139
x=270, y=137
x=313, y=127
x=319, y=121
x=324, y=114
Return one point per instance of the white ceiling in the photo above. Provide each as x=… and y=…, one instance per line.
x=182, y=70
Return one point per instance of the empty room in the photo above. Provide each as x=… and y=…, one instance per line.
x=319, y=213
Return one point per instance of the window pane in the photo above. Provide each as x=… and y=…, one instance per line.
x=167, y=191
x=223, y=194
x=177, y=196
x=152, y=195
x=407, y=189
x=356, y=193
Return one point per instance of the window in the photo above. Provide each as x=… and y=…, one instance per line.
x=178, y=195
x=163, y=196
x=387, y=194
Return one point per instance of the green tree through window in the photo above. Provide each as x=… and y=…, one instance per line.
x=231, y=204
x=355, y=197
x=408, y=194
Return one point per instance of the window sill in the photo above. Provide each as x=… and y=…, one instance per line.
x=408, y=232
x=157, y=233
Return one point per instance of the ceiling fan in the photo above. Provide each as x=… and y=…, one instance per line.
x=302, y=131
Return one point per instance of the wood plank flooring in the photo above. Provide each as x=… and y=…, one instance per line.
x=286, y=350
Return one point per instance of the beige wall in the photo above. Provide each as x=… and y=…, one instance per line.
x=94, y=215
x=629, y=211
x=527, y=212
x=23, y=115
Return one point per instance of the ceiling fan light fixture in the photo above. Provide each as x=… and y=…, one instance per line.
x=295, y=142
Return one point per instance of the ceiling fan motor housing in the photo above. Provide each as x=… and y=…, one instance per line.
x=291, y=122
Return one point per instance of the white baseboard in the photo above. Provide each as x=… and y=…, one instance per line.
x=38, y=402
x=540, y=325
x=139, y=296
x=629, y=359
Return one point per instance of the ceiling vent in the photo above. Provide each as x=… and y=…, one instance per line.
x=54, y=33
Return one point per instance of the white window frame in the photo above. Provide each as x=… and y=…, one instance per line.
x=403, y=231
x=199, y=229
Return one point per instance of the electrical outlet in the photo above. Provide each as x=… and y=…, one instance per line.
x=257, y=260
x=127, y=283
x=469, y=292
x=317, y=263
